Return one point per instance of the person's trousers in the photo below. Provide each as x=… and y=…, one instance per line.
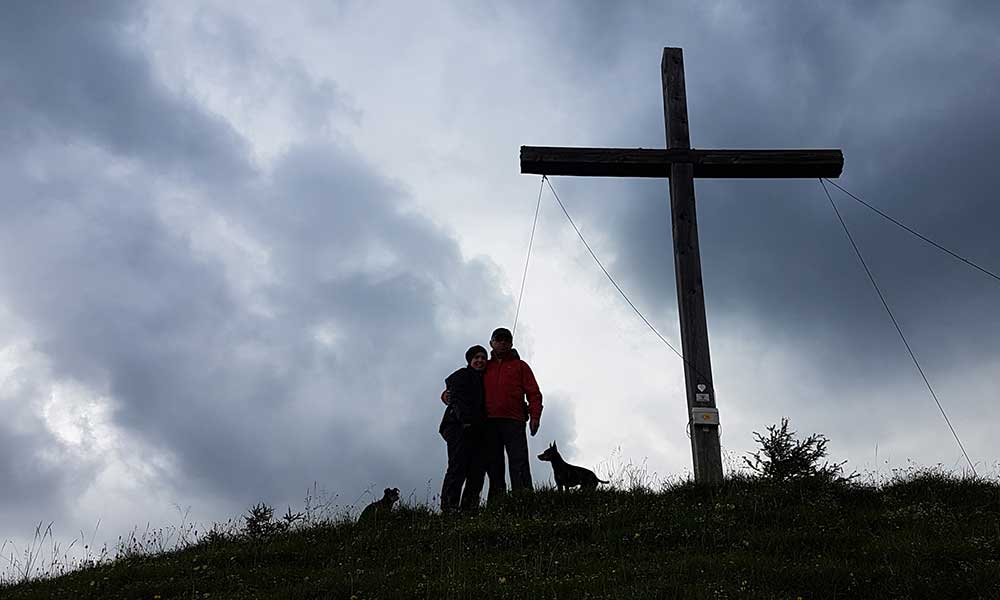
x=466, y=467
x=510, y=436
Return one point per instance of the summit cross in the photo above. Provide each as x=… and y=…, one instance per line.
x=681, y=164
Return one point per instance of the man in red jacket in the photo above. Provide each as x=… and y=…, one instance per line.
x=508, y=381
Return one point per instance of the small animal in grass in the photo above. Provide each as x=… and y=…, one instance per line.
x=380, y=508
x=568, y=475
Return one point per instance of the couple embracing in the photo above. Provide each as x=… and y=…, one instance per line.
x=490, y=402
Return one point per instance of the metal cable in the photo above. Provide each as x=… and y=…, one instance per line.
x=929, y=241
x=898, y=329
x=612, y=279
x=531, y=240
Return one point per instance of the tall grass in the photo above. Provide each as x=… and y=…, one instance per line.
x=919, y=533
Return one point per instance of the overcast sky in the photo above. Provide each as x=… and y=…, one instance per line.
x=243, y=245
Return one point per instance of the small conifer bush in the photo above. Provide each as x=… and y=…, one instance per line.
x=783, y=457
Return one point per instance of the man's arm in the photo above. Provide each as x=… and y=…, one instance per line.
x=534, y=397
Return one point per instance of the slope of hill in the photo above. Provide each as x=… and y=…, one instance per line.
x=927, y=535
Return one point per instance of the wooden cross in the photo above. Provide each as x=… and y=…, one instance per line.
x=681, y=164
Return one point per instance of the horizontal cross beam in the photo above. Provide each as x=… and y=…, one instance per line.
x=641, y=162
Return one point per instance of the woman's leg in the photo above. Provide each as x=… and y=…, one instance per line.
x=475, y=475
x=454, y=476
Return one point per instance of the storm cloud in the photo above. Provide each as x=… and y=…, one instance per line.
x=246, y=328
x=241, y=249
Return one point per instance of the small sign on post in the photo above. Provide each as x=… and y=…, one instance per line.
x=704, y=415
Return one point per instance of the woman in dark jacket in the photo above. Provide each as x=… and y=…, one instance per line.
x=462, y=429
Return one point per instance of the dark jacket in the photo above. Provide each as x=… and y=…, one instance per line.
x=468, y=405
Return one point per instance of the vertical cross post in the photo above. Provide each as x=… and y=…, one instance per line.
x=702, y=411
x=681, y=164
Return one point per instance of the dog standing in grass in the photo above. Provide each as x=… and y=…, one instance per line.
x=568, y=475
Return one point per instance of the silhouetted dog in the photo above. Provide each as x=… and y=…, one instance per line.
x=567, y=475
x=380, y=508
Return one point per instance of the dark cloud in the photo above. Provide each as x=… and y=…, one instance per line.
x=39, y=469
x=321, y=362
x=37, y=473
x=918, y=126
x=71, y=72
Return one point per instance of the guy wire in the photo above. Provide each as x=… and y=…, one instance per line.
x=898, y=329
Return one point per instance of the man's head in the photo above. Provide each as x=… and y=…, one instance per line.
x=476, y=357
x=501, y=341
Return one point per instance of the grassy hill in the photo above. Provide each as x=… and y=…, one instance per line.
x=926, y=535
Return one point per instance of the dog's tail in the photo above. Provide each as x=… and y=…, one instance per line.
x=602, y=481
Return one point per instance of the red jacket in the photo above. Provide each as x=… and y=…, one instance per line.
x=507, y=382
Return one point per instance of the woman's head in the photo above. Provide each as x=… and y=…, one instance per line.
x=476, y=357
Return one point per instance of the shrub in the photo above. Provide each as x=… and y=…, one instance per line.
x=258, y=523
x=783, y=457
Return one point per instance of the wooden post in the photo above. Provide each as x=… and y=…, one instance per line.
x=687, y=269
x=682, y=164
